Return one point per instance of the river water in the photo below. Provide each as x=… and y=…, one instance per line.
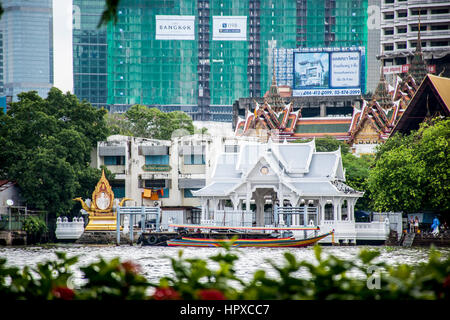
x=155, y=264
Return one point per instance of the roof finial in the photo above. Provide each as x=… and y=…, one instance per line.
x=274, y=79
x=419, y=42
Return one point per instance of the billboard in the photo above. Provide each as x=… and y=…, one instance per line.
x=327, y=71
x=403, y=68
x=175, y=27
x=230, y=28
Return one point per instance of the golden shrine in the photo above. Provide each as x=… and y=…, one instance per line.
x=101, y=215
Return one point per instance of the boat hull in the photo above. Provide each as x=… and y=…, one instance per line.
x=268, y=242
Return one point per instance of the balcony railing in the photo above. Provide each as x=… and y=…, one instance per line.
x=156, y=167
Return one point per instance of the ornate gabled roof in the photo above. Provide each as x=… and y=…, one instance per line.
x=381, y=94
x=281, y=121
x=384, y=110
x=431, y=99
x=274, y=98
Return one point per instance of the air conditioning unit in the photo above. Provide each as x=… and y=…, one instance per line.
x=157, y=203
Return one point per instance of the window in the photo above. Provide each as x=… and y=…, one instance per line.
x=188, y=192
x=194, y=159
x=439, y=43
x=416, y=28
x=159, y=159
x=401, y=30
x=329, y=212
x=388, y=31
x=118, y=189
x=402, y=14
x=231, y=148
x=114, y=160
x=159, y=185
x=401, y=45
x=439, y=11
x=440, y=27
x=416, y=12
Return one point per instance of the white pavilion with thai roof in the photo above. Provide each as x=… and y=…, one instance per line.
x=247, y=185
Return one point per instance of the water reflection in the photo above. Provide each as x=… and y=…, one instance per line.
x=155, y=263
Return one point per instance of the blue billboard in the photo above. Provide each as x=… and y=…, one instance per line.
x=322, y=71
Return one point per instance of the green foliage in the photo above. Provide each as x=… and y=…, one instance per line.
x=49, y=280
x=357, y=171
x=45, y=146
x=411, y=173
x=118, y=124
x=110, y=13
x=192, y=276
x=113, y=280
x=34, y=226
x=141, y=121
x=328, y=278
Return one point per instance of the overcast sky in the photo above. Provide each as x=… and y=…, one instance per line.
x=62, y=45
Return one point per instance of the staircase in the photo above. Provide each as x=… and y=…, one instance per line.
x=408, y=240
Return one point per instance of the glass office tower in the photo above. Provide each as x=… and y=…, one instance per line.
x=27, y=43
x=200, y=56
x=89, y=52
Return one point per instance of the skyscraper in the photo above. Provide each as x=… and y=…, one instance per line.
x=200, y=56
x=400, y=36
x=89, y=52
x=27, y=41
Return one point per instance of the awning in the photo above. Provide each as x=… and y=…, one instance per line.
x=191, y=183
x=111, y=151
x=153, y=150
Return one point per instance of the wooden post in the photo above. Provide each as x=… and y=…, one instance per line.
x=142, y=219
x=158, y=217
x=131, y=229
x=118, y=226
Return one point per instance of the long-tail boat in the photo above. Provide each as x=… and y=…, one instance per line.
x=269, y=241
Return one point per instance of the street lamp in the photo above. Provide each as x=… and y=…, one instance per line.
x=9, y=203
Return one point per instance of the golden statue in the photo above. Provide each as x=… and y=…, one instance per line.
x=101, y=215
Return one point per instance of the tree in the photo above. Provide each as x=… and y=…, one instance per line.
x=118, y=124
x=412, y=173
x=141, y=121
x=45, y=146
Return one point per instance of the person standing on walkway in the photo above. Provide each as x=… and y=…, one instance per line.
x=416, y=225
x=411, y=224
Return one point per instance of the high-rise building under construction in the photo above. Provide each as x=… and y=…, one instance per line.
x=199, y=56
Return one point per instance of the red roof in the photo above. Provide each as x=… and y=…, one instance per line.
x=5, y=184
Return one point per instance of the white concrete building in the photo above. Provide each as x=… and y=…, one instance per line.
x=399, y=32
x=236, y=181
x=162, y=172
x=250, y=182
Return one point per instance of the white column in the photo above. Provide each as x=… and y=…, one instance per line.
x=339, y=210
x=321, y=216
x=352, y=209
x=281, y=202
x=203, y=202
x=349, y=215
x=335, y=210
